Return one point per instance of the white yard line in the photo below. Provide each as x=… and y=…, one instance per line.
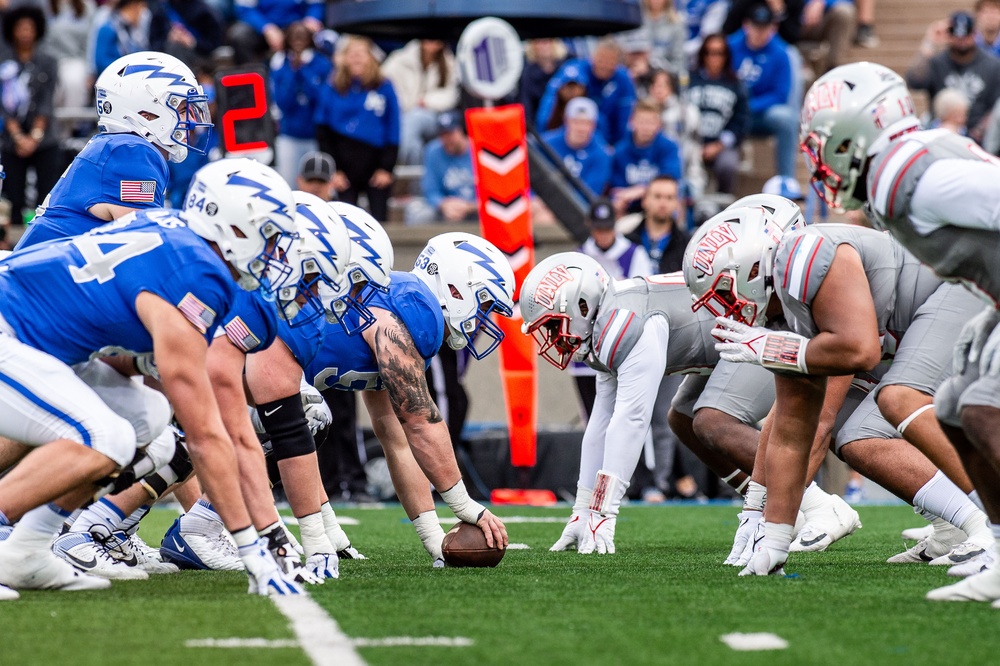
x=754, y=642
x=387, y=641
x=318, y=634
x=241, y=643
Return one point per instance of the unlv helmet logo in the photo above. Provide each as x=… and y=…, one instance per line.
x=714, y=240
x=545, y=293
x=824, y=96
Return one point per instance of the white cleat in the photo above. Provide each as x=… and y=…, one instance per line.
x=984, y=586
x=135, y=552
x=7, y=594
x=975, y=565
x=42, y=570
x=81, y=551
x=918, y=533
x=960, y=554
x=215, y=552
x=940, y=543
x=836, y=521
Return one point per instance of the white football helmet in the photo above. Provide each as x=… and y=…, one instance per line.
x=471, y=279
x=318, y=259
x=850, y=114
x=156, y=96
x=246, y=209
x=559, y=300
x=784, y=211
x=370, y=266
x=728, y=264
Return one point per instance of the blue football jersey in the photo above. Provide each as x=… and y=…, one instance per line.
x=75, y=298
x=122, y=169
x=252, y=323
x=333, y=359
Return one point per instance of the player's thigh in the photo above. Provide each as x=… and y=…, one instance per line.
x=42, y=400
x=859, y=418
x=146, y=409
x=742, y=390
x=687, y=394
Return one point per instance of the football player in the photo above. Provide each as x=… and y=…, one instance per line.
x=149, y=106
x=936, y=193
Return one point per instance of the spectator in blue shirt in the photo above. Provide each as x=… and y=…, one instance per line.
x=542, y=58
x=988, y=26
x=260, y=25
x=297, y=76
x=126, y=31
x=357, y=122
x=448, y=185
x=642, y=156
x=761, y=61
x=607, y=83
x=581, y=149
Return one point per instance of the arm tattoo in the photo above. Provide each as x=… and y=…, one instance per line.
x=402, y=370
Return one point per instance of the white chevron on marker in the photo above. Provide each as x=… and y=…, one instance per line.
x=507, y=213
x=518, y=259
x=502, y=165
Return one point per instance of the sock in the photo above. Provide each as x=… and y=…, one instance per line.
x=777, y=536
x=429, y=530
x=943, y=498
x=314, y=539
x=3, y=519
x=102, y=516
x=201, y=519
x=38, y=527
x=338, y=537
x=755, y=498
x=131, y=524
x=814, y=498
x=974, y=498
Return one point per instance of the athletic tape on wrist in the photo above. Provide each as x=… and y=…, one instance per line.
x=464, y=507
x=608, y=492
x=785, y=351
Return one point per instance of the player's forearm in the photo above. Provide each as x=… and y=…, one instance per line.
x=431, y=446
x=835, y=354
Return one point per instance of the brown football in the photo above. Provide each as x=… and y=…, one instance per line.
x=465, y=546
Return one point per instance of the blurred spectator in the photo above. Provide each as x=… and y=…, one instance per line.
x=951, y=110
x=186, y=29
x=315, y=176
x=658, y=231
x=607, y=83
x=261, y=25
x=963, y=66
x=664, y=31
x=762, y=63
x=988, y=25
x=27, y=86
x=573, y=85
x=680, y=123
x=832, y=23
x=542, y=58
x=424, y=77
x=448, y=185
x=69, y=26
x=622, y=259
x=641, y=156
x=704, y=18
x=298, y=73
x=723, y=103
x=357, y=122
x=126, y=31
x=865, y=36
x=636, y=49
x=582, y=150
x=787, y=15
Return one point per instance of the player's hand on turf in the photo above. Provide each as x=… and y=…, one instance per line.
x=749, y=520
x=970, y=341
x=350, y=553
x=570, y=537
x=765, y=562
x=494, y=529
x=266, y=577
x=323, y=565
x=598, y=534
x=989, y=359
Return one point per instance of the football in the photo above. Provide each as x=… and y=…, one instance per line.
x=465, y=546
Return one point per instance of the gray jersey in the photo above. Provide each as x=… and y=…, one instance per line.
x=624, y=310
x=899, y=284
x=949, y=220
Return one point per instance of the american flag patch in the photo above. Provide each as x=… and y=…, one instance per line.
x=240, y=335
x=200, y=315
x=138, y=190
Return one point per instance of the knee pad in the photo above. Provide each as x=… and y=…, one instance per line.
x=285, y=423
x=151, y=421
x=162, y=449
x=178, y=469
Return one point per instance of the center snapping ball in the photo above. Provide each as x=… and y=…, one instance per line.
x=465, y=546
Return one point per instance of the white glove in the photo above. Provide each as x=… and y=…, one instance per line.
x=775, y=350
x=749, y=520
x=570, y=537
x=765, y=562
x=317, y=412
x=266, y=577
x=323, y=565
x=970, y=341
x=598, y=534
x=755, y=537
x=989, y=359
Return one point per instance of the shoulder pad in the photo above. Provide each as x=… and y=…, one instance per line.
x=801, y=263
x=616, y=333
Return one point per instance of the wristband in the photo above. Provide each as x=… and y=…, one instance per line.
x=784, y=351
x=608, y=492
x=464, y=507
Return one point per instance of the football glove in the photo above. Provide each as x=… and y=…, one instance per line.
x=571, y=533
x=266, y=577
x=749, y=520
x=285, y=554
x=970, y=341
x=765, y=562
x=598, y=534
x=323, y=565
x=989, y=359
x=774, y=350
x=317, y=412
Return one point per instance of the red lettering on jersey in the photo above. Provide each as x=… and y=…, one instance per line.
x=824, y=96
x=714, y=240
x=545, y=293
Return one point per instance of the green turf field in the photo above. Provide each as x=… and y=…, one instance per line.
x=664, y=598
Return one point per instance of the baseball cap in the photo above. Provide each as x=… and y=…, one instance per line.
x=784, y=186
x=961, y=24
x=316, y=165
x=761, y=15
x=581, y=107
x=448, y=121
x=602, y=215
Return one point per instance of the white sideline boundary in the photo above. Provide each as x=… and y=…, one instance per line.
x=318, y=634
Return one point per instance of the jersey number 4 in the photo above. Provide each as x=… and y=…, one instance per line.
x=100, y=265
